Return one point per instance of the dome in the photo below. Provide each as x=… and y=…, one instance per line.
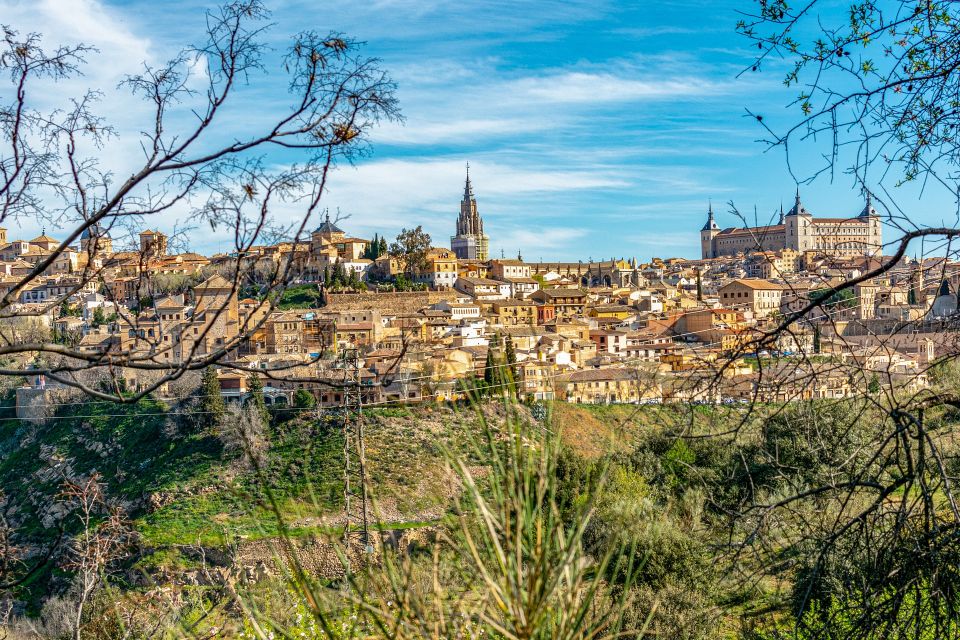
x=94, y=230
x=327, y=226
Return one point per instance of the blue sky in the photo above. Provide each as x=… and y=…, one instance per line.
x=593, y=128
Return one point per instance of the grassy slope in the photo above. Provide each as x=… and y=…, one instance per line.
x=125, y=444
x=303, y=473
x=214, y=498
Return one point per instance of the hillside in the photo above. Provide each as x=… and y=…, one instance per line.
x=207, y=515
x=184, y=484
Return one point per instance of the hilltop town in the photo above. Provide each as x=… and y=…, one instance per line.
x=610, y=331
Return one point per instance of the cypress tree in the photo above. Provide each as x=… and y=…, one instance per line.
x=212, y=406
x=339, y=275
x=511, y=374
x=382, y=249
x=489, y=370
x=510, y=356
x=256, y=399
x=699, y=286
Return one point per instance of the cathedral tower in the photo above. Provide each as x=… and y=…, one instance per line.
x=470, y=243
x=707, y=234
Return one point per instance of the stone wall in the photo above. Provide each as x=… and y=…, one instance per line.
x=403, y=302
x=36, y=405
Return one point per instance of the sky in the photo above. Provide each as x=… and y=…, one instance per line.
x=593, y=128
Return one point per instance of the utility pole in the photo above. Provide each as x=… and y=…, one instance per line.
x=354, y=457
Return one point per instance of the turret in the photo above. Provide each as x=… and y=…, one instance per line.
x=869, y=215
x=868, y=210
x=798, y=226
x=798, y=208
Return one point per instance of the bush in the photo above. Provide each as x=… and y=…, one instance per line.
x=303, y=399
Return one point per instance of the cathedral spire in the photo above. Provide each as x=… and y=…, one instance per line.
x=468, y=187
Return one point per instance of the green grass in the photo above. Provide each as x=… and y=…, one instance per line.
x=302, y=296
x=213, y=520
x=217, y=520
x=129, y=445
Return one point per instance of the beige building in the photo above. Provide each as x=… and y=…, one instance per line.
x=566, y=302
x=512, y=313
x=441, y=269
x=330, y=244
x=761, y=297
x=503, y=268
x=611, y=386
x=797, y=230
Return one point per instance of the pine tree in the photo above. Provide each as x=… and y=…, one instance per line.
x=256, y=400
x=212, y=407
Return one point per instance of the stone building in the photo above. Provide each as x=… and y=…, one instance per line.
x=603, y=273
x=761, y=297
x=797, y=230
x=153, y=243
x=470, y=243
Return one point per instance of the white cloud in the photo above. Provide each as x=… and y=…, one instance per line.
x=596, y=88
x=534, y=244
x=421, y=131
x=472, y=105
x=383, y=196
x=66, y=22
